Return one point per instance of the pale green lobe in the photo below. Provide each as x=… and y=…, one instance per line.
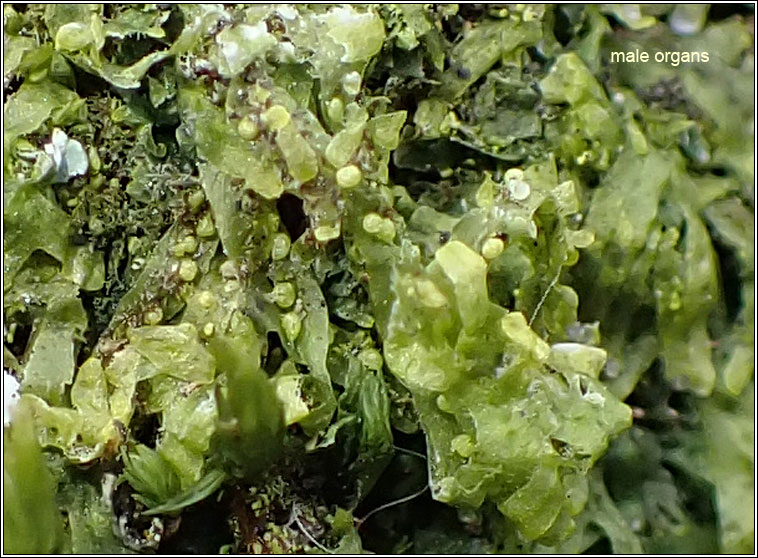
x=360, y=34
x=570, y=81
x=535, y=515
x=31, y=106
x=343, y=145
x=175, y=351
x=220, y=145
x=467, y=271
x=301, y=159
x=289, y=392
x=575, y=357
x=624, y=210
x=385, y=129
x=241, y=44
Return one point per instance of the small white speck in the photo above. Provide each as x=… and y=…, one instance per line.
x=10, y=396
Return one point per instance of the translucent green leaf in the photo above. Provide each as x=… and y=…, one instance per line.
x=218, y=142
x=23, y=214
x=360, y=34
x=301, y=159
x=175, y=351
x=240, y=45
x=135, y=21
x=624, y=210
x=90, y=519
x=385, y=129
x=536, y=505
x=85, y=431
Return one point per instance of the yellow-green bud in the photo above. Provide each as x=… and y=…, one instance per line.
x=283, y=294
x=514, y=174
x=94, y=160
x=351, y=83
x=375, y=224
x=325, y=233
x=492, y=248
x=372, y=223
x=276, y=118
x=154, y=316
x=388, y=230
x=335, y=109
x=188, y=245
x=280, y=246
x=349, y=176
x=206, y=299
x=187, y=270
x=205, y=226
x=208, y=329
x=247, y=128
x=196, y=200
x=291, y=324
